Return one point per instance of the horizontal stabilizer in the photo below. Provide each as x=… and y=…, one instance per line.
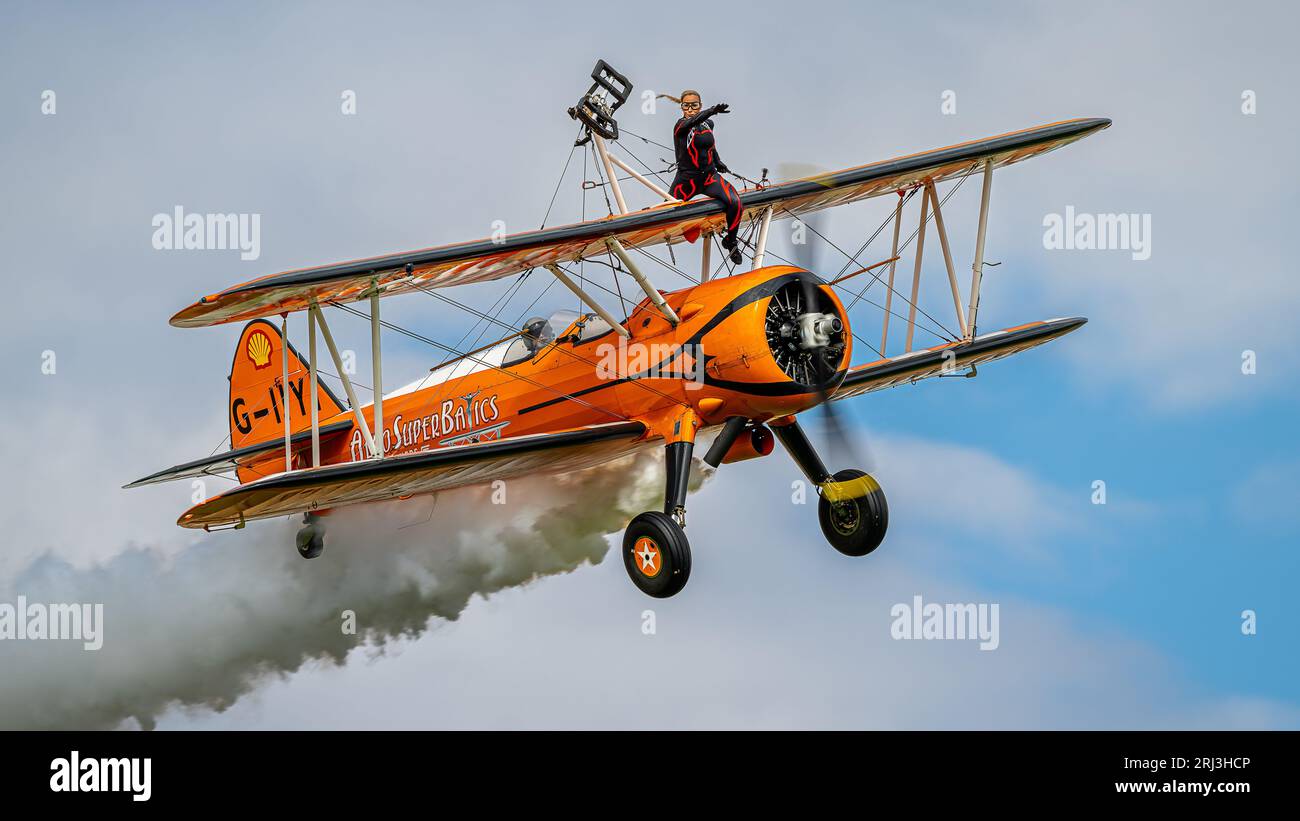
x=228, y=462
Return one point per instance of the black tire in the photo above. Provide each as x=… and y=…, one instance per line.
x=854, y=527
x=661, y=564
x=311, y=540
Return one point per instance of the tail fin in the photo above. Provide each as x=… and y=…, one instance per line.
x=256, y=392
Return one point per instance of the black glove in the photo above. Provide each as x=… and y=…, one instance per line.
x=722, y=167
x=721, y=108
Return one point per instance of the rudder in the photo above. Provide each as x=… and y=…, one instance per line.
x=256, y=395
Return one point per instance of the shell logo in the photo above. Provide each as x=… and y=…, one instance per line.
x=258, y=349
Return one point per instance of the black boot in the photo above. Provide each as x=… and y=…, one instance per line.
x=729, y=243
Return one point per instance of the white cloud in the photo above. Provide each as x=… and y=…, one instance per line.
x=1267, y=496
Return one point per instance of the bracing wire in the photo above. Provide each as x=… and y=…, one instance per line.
x=477, y=360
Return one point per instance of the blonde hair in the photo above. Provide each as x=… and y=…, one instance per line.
x=678, y=99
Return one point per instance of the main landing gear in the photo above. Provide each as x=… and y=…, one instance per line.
x=311, y=538
x=852, y=508
x=656, y=553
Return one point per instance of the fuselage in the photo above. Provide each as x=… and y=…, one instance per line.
x=719, y=360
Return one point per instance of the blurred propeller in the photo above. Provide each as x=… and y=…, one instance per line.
x=808, y=251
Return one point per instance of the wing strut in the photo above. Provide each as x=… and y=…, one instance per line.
x=311, y=366
x=889, y=289
x=343, y=375
x=655, y=296
x=916, y=273
x=591, y=303
x=377, y=442
x=284, y=361
x=760, y=250
x=947, y=255
x=977, y=267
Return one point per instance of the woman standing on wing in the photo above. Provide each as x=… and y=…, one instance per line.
x=699, y=168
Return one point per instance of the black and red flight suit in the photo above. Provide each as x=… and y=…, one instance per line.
x=699, y=168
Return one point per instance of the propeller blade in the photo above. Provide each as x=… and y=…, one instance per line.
x=805, y=247
x=837, y=440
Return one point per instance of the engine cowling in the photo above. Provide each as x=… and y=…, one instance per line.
x=764, y=352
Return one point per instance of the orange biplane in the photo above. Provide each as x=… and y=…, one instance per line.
x=734, y=357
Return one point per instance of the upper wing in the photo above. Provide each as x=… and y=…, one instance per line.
x=375, y=480
x=945, y=358
x=484, y=260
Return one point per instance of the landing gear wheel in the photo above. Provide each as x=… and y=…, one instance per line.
x=854, y=527
x=656, y=554
x=311, y=538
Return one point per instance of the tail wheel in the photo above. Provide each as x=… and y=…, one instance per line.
x=311, y=537
x=656, y=554
x=854, y=527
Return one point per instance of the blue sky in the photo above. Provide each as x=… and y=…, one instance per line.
x=1126, y=614
x=1172, y=557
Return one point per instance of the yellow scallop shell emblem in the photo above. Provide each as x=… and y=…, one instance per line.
x=259, y=350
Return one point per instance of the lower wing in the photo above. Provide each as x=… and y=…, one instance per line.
x=941, y=359
x=373, y=480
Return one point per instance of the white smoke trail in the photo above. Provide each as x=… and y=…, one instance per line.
x=202, y=628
